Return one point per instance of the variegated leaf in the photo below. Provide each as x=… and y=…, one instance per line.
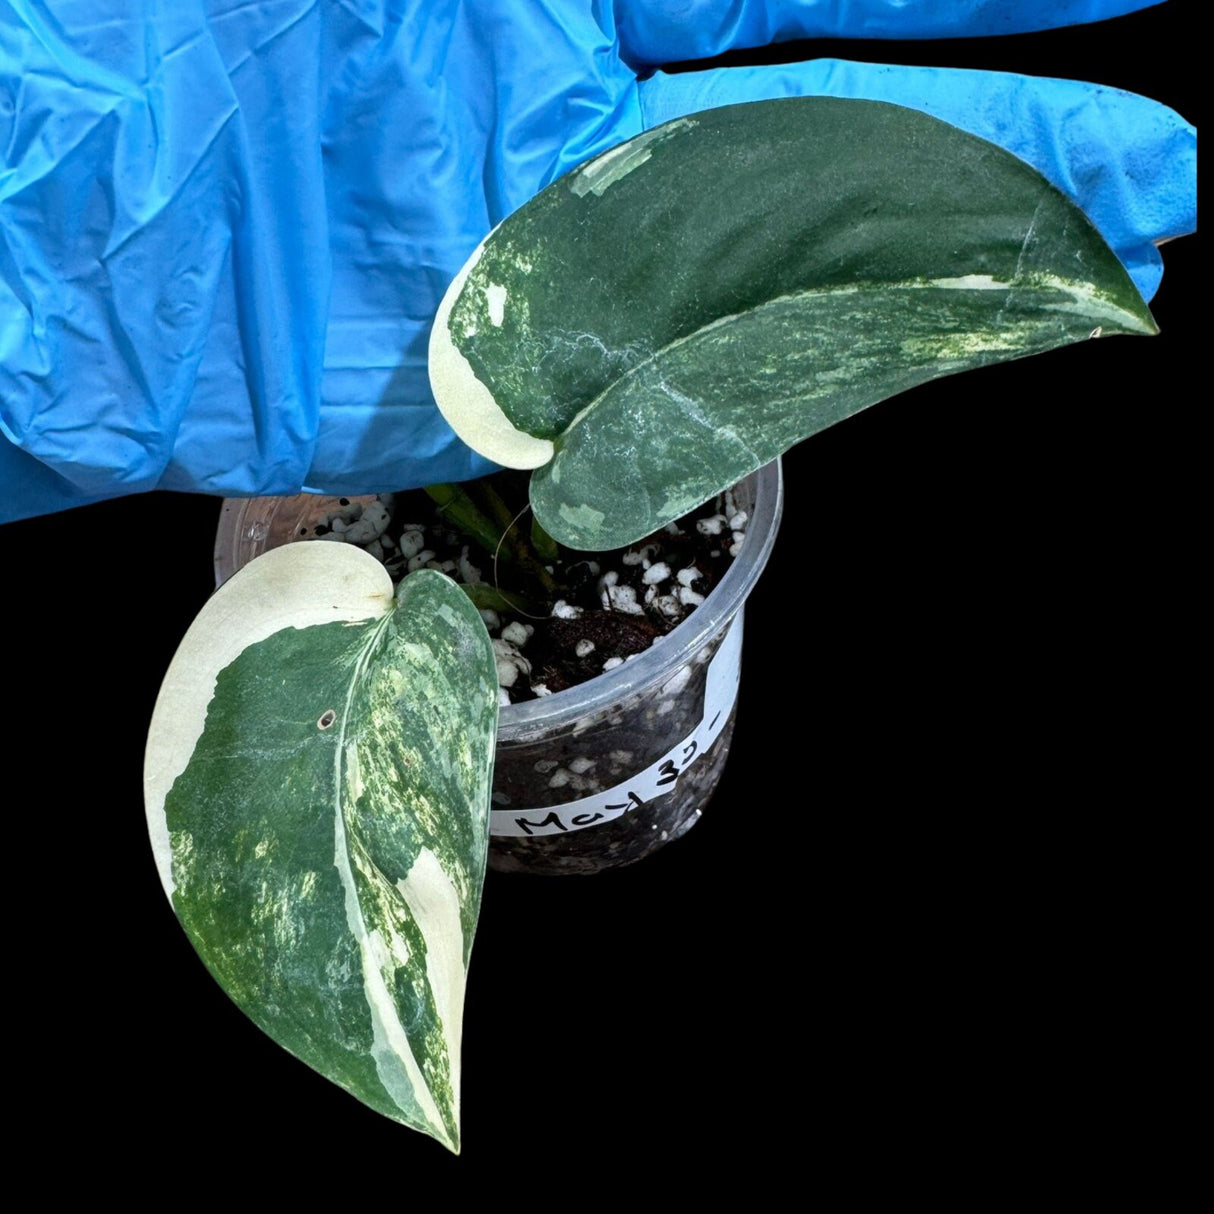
x=688, y=305
x=317, y=783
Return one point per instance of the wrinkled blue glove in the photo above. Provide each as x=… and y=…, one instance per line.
x=226, y=228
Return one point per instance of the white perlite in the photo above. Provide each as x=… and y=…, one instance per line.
x=668, y=605
x=517, y=633
x=510, y=663
x=468, y=572
x=677, y=681
x=411, y=543
x=606, y=583
x=369, y=525
x=624, y=600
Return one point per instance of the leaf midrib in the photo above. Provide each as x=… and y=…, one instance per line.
x=354, y=912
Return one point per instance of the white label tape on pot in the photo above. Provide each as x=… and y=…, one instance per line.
x=656, y=780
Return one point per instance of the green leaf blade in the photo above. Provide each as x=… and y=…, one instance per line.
x=328, y=831
x=625, y=269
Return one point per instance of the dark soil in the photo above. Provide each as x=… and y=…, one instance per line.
x=600, y=609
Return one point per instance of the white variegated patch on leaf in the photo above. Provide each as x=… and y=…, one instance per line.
x=687, y=306
x=317, y=783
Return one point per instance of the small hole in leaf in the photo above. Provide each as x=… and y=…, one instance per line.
x=303, y=531
x=326, y=719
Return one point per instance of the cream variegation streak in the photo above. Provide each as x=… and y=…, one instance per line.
x=463, y=400
x=601, y=173
x=434, y=903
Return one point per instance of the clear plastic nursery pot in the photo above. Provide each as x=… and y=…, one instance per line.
x=604, y=773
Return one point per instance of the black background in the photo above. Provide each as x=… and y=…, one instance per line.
x=923, y=924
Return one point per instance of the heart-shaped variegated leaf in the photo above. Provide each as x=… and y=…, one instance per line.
x=317, y=782
x=688, y=305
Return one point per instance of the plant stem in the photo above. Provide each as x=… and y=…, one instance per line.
x=512, y=535
x=458, y=508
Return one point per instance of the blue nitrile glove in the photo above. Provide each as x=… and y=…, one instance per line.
x=226, y=228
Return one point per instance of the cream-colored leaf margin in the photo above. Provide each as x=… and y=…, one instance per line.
x=294, y=586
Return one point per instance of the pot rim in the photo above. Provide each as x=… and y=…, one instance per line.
x=561, y=709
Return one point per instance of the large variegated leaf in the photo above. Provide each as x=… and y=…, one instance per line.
x=688, y=305
x=317, y=783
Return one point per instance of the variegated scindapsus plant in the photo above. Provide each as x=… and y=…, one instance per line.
x=646, y=331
